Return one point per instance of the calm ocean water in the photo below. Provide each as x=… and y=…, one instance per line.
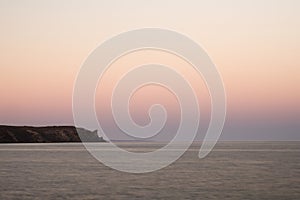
x=234, y=170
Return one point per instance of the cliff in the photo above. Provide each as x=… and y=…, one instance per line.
x=29, y=134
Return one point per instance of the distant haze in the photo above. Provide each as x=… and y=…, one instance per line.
x=255, y=44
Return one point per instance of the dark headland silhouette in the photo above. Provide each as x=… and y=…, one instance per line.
x=30, y=134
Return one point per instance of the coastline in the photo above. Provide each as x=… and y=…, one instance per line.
x=47, y=134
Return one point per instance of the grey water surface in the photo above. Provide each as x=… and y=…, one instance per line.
x=234, y=170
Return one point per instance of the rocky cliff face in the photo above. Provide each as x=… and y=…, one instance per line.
x=26, y=134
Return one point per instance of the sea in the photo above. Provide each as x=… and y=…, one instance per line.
x=233, y=170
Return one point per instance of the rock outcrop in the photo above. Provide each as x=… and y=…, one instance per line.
x=29, y=134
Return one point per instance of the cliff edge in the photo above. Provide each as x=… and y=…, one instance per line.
x=29, y=134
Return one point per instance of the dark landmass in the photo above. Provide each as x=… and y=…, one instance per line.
x=29, y=134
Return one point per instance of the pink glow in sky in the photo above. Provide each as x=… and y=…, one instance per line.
x=255, y=45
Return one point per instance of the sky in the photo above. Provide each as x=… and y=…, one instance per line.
x=255, y=45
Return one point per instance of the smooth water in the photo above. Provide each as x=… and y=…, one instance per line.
x=234, y=170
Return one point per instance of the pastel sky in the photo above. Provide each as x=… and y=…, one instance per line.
x=254, y=43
